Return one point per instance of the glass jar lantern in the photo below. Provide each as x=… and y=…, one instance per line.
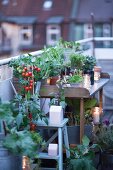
x=97, y=73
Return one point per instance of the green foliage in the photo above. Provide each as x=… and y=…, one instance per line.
x=77, y=61
x=19, y=117
x=74, y=110
x=31, y=62
x=82, y=156
x=89, y=63
x=76, y=78
x=53, y=58
x=103, y=135
x=69, y=44
x=23, y=143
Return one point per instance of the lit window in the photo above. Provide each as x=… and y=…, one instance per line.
x=5, y=2
x=26, y=35
x=53, y=34
x=47, y=4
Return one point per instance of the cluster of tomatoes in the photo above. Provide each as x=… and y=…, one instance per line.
x=28, y=74
x=32, y=125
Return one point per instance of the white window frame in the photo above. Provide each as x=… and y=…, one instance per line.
x=29, y=31
x=88, y=31
x=50, y=31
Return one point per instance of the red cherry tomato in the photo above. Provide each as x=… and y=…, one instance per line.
x=25, y=68
x=23, y=74
x=32, y=126
x=30, y=87
x=31, y=81
x=38, y=69
x=27, y=88
x=26, y=74
x=30, y=73
x=31, y=84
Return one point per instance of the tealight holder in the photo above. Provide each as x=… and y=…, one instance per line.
x=97, y=73
x=96, y=115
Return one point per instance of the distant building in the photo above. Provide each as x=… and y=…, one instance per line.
x=29, y=25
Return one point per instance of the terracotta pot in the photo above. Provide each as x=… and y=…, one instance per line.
x=53, y=80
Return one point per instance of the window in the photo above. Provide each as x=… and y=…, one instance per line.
x=5, y=2
x=53, y=34
x=88, y=32
x=47, y=4
x=106, y=33
x=79, y=32
x=26, y=35
x=106, y=30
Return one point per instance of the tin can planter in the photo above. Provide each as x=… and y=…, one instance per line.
x=74, y=133
x=107, y=160
x=53, y=80
x=9, y=161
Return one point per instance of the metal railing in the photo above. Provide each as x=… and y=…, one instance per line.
x=86, y=44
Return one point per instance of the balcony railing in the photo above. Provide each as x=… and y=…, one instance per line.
x=88, y=45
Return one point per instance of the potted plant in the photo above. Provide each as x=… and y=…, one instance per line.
x=69, y=47
x=89, y=63
x=27, y=71
x=88, y=67
x=54, y=59
x=75, y=79
x=103, y=135
x=20, y=138
x=77, y=61
x=82, y=156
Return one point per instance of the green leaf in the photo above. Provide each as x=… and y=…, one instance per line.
x=19, y=119
x=85, y=141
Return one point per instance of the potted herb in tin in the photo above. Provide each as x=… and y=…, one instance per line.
x=82, y=156
x=53, y=62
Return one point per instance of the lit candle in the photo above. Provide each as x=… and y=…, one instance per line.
x=96, y=115
x=25, y=163
x=97, y=72
x=87, y=82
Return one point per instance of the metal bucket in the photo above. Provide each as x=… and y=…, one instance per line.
x=9, y=161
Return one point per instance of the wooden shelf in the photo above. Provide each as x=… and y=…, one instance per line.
x=43, y=155
x=49, y=91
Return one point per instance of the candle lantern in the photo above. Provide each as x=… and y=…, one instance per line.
x=96, y=115
x=87, y=82
x=97, y=72
x=25, y=163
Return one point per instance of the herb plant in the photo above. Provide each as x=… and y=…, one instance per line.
x=82, y=156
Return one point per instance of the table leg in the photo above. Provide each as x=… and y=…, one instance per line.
x=66, y=142
x=81, y=119
x=60, y=162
